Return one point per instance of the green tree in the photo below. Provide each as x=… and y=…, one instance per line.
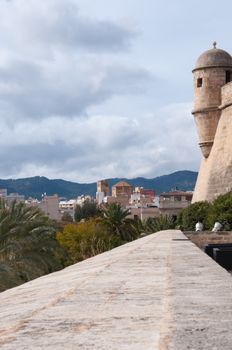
x=27, y=242
x=115, y=219
x=139, y=226
x=189, y=216
x=66, y=217
x=86, y=239
x=221, y=210
x=87, y=210
x=163, y=222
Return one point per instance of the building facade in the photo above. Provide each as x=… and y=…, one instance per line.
x=122, y=188
x=103, y=190
x=50, y=206
x=103, y=187
x=171, y=203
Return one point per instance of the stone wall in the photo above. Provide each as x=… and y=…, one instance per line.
x=215, y=172
x=209, y=95
x=201, y=239
x=226, y=95
x=207, y=99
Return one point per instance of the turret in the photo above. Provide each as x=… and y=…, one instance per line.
x=213, y=70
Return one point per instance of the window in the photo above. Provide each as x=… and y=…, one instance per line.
x=228, y=76
x=199, y=82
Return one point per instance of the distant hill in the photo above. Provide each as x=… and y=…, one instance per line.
x=36, y=186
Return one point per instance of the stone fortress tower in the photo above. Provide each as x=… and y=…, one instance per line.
x=213, y=117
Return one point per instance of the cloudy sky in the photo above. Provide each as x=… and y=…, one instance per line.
x=93, y=89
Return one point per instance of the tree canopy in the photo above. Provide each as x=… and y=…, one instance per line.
x=86, y=239
x=208, y=213
x=87, y=210
x=115, y=218
x=189, y=216
x=28, y=246
x=221, y=210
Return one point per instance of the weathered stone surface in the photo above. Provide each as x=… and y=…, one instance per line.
x=201, y=239
x=159, y=292
x=213, y=116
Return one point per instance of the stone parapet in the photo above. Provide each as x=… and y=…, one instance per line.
x=201, y=239
x=159, y=292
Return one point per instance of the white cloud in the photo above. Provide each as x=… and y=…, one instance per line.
x=56, y=24
x=85, y=149
x=67, y=87
x=56, y=68
x=53, y=61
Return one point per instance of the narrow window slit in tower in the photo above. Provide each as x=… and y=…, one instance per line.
x=228, y=76
x=199, y=82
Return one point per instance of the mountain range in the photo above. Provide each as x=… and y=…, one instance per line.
x=36, y=186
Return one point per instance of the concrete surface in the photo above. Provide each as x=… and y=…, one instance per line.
x=159, y=292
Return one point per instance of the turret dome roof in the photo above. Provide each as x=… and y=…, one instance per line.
x=214, y=58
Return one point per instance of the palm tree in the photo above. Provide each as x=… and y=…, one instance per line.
x=27, y=241
x=115, y=218
x=163, y=222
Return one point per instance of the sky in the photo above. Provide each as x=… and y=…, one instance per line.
x=93, y=89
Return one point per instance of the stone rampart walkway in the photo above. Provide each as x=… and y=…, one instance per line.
x=157, y=293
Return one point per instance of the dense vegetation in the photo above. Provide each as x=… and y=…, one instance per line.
x=208, y=213
x=86, y=239
x=88, y=210
x=106, y=229
x=188, y=217
x=164, y=222
x=116, y=221
x=28, y=246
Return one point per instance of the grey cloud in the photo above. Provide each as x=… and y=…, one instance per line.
x=59, y=23
x=91, y=35
x=57, y=67
x=29, y=90
x=86, y=149
x=44, y=70
x=135, y=81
